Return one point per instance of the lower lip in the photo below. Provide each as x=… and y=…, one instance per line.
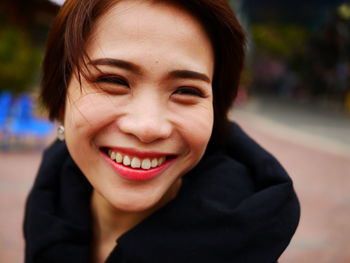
x=133, y=174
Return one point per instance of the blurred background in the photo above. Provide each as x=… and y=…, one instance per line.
x=294, y=99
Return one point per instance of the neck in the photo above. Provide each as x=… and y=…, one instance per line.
x=109, y=223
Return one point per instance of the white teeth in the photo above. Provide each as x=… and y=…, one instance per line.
x=119, y=158
x=146, y=164
x=154, y=162
x=136, y=163
x=126, y=160
x=161, y=160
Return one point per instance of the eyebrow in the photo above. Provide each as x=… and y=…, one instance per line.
x=184, y=74
x=188, y=74
x=116, y=63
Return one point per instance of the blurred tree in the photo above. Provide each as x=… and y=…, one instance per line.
x=311, y=13
x=284, y=41
x=19, y=60
x=24, y=25
x=300, y=49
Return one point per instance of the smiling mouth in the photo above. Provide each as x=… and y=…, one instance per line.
x=136, y=162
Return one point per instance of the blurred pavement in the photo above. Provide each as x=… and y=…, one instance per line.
x=17, y=172
x=313, y=145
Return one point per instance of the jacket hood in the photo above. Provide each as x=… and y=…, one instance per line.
x=237, y=206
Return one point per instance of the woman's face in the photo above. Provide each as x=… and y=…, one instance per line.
x=145, y=117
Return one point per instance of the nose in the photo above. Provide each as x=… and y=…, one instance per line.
x=146, y=120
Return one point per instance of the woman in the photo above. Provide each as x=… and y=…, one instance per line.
x=148, y=168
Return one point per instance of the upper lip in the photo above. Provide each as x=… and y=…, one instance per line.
x=138, y=153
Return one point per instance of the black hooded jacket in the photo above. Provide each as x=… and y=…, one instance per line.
x=237, y=207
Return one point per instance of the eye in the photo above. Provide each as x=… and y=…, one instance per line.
x=111, y=79
x=112, y=84
x=189, y=91
x=188, y=95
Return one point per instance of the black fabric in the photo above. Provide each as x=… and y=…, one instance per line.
x=237, y=206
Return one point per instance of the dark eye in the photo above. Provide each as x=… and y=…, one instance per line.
x=189, y=91
x=109, y=79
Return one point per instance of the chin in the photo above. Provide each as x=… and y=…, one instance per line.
x=134, y=204
x=132, y=208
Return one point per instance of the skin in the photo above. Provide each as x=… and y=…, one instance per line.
x=150, y=110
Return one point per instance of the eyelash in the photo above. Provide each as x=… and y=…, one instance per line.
x=109, y=79
x=189, y=91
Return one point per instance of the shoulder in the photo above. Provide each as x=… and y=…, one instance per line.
x=221, y=178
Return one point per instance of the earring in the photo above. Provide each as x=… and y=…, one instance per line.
x=60, y=133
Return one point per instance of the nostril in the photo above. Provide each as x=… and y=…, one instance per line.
x=146, y=130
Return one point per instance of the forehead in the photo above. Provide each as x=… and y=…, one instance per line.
x=136, y=12
x=149, y=24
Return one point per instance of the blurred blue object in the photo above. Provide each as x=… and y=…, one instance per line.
x=5, y=104
x=24, y=124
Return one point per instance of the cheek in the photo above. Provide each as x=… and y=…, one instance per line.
x=86, y=115
x=196, y=126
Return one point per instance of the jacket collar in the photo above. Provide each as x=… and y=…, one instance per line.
x=238, y=206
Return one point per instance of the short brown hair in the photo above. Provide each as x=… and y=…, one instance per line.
x=73, y=25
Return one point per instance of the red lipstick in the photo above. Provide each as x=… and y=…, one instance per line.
x=137, y=174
